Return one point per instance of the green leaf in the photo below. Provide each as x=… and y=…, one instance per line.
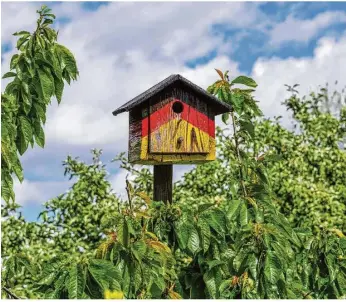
x=59, y=87
x=214, y=263
x=272, y=267
x=248, y=127
x=40, y=111
x=50, y=15
x=17, y=168
x=226, y=284
x=245, y=81
x=205, y=206
x=237, y=100
x=225, y=117
x=217, y=220
x=233, y=209
x=39, y=134
x=211, y=88
x=24, y=134
x=76, y=282
x=330, y=262
x=182, y=231
x=21, y=41
x=25, y=127
x=243, y=215
x=239, y=259
x=9, y=75
x=205, y=233
x=67, y=61
x=46, y=22
x=123, y=232
x=342, y=243
x=210, y=282
x=59, y=285
x=14, y=61
x=193, y=242
x=26, y=97
x=22, y=33
x=104, y=272
x=48, y=276
x=44, y=85
x=251, y=263
x=7, y=187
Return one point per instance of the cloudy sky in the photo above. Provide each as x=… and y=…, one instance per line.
x=124, y=48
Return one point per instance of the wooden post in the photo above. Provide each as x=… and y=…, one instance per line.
x=163, y=183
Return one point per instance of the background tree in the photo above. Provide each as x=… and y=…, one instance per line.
x=38, y=72
x=306, y=165
x=207, y=256
x=223, y=237
x=309, y=179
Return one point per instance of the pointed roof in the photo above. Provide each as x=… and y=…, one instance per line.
x=221, y=107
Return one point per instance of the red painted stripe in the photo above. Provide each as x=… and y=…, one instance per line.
x=189, y=114
x=145, y=127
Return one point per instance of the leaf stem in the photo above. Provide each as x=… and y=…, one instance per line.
x=10, y=293
x=238, y=154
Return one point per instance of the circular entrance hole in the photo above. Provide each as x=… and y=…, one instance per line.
x=178, y=107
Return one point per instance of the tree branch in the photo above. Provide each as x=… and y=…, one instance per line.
x=8, y=292
x=238, y=154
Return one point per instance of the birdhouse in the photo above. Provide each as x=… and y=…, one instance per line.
x=172, y=123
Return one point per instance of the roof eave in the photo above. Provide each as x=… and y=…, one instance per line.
x=221, y=106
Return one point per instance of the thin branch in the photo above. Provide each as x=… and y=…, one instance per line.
x=10, y=293
x=129, y=193
x=238, y=154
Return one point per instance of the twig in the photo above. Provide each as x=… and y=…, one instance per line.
x=307, y=294
x=129, y=193
x=10, y=293
x=238, y=154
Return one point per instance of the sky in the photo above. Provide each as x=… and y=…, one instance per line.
x=124, y=48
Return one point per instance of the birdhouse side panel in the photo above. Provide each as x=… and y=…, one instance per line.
x=138, y=132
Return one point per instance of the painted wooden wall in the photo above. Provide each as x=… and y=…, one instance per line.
x=176, y=127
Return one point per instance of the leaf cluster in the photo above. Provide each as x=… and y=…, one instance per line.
x=37, y=72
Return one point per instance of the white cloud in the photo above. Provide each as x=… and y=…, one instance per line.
x=296, y=30
x=123, y=49
x=135, y=46
x=310, y=72
x=16, y=17
x=119, y=184
x=38, y=191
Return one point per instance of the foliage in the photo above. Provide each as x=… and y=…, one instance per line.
x=38, y=71
x=232, y=243
x=70, y=225
x=305, y=166
x=309, y=178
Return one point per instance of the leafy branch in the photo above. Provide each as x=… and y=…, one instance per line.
x=38, y=71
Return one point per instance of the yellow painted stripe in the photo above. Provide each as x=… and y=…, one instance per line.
x=151, y=159
x=179, y=136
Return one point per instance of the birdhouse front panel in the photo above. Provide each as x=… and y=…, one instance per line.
x=173, y=122
x=174, y=127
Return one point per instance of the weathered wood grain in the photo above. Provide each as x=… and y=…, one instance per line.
x=163, y=182
x=135, y=134
x=158, y=135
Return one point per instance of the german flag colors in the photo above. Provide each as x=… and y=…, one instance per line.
x=175, y=133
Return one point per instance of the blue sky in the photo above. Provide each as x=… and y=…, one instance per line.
x=119, y=44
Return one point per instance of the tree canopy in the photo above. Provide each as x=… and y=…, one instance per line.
x=264, y=220
x=38, y=72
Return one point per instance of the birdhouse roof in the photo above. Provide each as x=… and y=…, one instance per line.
x=220, y=107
